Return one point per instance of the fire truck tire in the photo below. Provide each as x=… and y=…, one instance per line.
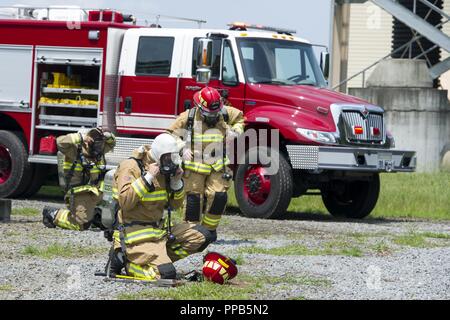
x=275, y=199
x=40, y=172
x=356, y=199
x=15, y=170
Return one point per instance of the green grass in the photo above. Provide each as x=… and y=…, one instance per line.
x=403, y=195
x=329, y=248
x=411, y=239
x=51, y=191
x=296, y=280
x=436, y=235
x=382, y=248
x=6, y=287
x=28, y=212
x=63, y=251
x=12, y=233
x=198, y=291
x=244, y=287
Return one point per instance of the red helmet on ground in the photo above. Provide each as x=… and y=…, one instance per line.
x=218, y=268
x=208, y=100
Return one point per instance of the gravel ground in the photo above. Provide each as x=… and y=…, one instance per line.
x=371, y=259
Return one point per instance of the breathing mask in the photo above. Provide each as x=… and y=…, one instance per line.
x=169, y=164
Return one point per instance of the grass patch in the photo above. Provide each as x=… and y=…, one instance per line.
x=244, y=287
x=402, y=195
x=411, y=239
x=6, y=287
x=63, y=251
x=297, y=280
x=12, y=234
x=28, y=212
x=198, y=291
x=330, y=248
x=51, y=191
x=382, y=248
x=239, y=259
x=436, y=235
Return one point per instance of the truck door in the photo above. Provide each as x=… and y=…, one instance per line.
x=147, y=99
x=224, y=75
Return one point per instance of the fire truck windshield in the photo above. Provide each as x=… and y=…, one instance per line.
x=279, y=62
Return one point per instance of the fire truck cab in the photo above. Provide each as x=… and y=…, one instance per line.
x=59, y=76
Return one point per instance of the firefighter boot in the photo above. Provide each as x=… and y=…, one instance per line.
x=117, y=263
x=48, y=216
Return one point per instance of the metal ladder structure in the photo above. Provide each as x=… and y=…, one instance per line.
x=422, y=28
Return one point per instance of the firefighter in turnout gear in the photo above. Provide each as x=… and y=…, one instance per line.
x=146, y=244
x=207, y=128
x=83, y=169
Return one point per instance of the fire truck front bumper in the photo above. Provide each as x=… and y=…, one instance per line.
x=351, y=159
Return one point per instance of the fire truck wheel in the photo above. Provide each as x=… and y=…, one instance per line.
x=40, y=172
x=352, y=199
x=14, y=167
x=259, y=194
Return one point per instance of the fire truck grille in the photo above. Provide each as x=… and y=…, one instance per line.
x=363, y=129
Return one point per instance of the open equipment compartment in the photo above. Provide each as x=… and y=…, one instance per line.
x=67, y=90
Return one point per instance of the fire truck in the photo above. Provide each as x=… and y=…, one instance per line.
x=62, y=70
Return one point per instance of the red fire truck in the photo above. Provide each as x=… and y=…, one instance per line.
x=100, y=69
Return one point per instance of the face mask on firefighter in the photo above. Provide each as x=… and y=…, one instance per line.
x=96, y=148
x=210, y=118
x=169, y=164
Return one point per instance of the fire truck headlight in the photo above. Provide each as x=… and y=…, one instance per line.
x=318, y=136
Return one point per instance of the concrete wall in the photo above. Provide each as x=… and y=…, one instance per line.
x=419, y=119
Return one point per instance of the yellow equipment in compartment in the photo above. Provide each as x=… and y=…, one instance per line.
x=60, y=80
x=75, y=102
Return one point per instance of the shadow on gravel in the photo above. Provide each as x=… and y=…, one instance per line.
x=320, y=217
x=19, y=221
x=234, y=242
x=47, y=198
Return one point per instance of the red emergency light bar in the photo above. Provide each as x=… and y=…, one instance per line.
x=242, y=26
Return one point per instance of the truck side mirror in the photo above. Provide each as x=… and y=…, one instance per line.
x=204, y=60
x=325, y=63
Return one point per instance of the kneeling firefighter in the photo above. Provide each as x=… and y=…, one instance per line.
x=81, y=166
x=208, y=128
x=145, y=244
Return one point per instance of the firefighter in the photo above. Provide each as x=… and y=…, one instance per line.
x=83, y=169
x=208, y=128
x=145, y=244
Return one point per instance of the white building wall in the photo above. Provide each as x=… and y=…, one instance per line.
x=445, y=78
x=370, y=38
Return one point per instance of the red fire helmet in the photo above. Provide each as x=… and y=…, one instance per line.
x=218, y=268
x=208, y=100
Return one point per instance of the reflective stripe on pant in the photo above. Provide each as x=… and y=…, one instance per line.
x=143, y=235
x=205, y=186
x=145, y=260
x=84, y=205
x=189, y=239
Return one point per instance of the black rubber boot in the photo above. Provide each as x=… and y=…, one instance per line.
x=48, y=216
x=117, y=263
